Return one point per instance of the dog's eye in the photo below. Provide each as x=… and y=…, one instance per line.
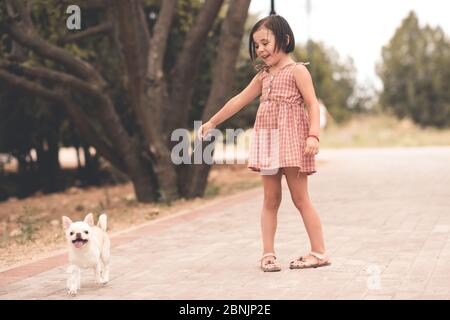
x=71, y=233
x=87, y=232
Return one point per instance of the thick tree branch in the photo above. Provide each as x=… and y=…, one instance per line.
x=18, y=52
x=227, y=54
x=81, y=120
x=186, y=67
x=158, y=42
x=29, y=86
x=88, y=4
x=132, y=39
x=157, y=92
x=55, y=76
x=91, y=135
x=23, y=32
x=222, y=78
x=146, y=89
x=101, y=28
x=196, y=37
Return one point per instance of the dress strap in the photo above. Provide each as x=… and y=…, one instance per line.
x=264, y=67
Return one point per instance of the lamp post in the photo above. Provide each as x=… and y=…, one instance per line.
x=272, y=7
x=309, y=47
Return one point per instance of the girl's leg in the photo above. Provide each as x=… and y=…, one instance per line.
x=298, y=186
x=272, y=200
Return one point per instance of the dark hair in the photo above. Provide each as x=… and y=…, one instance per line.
x=280, y=28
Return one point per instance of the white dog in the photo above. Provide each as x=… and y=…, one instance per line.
x=88, y=248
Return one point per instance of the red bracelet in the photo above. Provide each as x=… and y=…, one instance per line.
x=311, y=135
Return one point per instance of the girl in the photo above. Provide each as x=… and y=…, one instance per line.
x=285, y=137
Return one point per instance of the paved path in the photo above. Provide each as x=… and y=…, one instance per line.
x=386, y=218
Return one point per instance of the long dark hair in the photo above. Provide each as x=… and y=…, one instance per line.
x=280, y=28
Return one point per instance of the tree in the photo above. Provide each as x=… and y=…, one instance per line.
x=153, y=95
x=334, y=80
x=415, y=74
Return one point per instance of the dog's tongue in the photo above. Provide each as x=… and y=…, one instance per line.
x=78, y=244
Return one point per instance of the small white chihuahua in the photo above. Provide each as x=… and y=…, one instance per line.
x=88, y=248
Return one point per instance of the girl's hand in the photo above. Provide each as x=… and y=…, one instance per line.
x=204, y=130
x=312, y=146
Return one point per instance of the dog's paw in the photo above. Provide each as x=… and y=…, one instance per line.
x=72, y=292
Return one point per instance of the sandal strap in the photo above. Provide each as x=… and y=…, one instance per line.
x=318, y=255
x=270, y=254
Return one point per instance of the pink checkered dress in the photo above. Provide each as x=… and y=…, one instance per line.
x=281, y=125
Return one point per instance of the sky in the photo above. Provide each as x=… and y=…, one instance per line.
x=355, y=28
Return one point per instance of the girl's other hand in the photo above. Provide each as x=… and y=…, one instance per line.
x=312, y=146
x=204, y=130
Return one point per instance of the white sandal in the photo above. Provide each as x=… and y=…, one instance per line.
x=302, y=263
x=271, y=266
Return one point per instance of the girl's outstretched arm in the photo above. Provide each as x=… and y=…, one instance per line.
x=233, y=105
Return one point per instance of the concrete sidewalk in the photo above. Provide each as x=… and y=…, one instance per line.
x=386, y=219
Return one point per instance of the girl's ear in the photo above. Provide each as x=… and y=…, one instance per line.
x=288, y=40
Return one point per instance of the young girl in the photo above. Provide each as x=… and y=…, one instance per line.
x=285, y=137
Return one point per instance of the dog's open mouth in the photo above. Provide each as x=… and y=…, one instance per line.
x=78, y=243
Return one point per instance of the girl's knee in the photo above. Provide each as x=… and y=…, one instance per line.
x=300, y=202
x=272, y=201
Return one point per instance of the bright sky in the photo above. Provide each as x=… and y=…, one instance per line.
x=356, y=28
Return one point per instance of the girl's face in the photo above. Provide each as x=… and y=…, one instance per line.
x=265, y=46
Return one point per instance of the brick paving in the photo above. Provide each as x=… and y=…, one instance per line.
x=385, y=215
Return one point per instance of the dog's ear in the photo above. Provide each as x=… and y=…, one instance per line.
x=66, y=222
x=89, y=219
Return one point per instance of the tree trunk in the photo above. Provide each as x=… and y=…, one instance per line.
x=186, y=67
x=91, y=167
x=141, y=174
x=196, y=177
x=79, y=166
x=146, y=84
x=48, y=163
x=25, y=173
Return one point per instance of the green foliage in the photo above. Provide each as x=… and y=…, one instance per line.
x=212, y=189
x=416, y=75
x=334, y=79
x=29, y=224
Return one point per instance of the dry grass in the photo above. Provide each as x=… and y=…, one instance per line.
x=382, y=131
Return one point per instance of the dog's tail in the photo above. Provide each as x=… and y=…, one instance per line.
x=102, y=222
